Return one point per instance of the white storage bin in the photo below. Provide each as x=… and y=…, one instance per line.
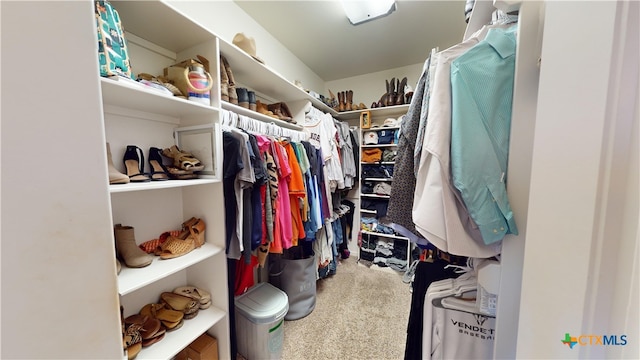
x=260, y=322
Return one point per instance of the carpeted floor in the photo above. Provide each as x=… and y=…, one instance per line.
x=360, y=313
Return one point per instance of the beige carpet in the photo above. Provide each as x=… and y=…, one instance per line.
x=360, y=313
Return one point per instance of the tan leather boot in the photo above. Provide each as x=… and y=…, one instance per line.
x=115, y=176
x=341, y=101
x=129, y=251
x=224, y=81
x=349, y=101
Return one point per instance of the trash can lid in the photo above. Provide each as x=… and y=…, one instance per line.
x=263, y=303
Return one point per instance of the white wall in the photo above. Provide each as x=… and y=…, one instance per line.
x=55, y=202
x=370, y=87
x=226, y=19
x=579, y=219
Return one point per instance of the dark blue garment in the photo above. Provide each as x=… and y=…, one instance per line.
x=231, y=166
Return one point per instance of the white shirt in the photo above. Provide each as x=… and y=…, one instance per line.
x=438, y=211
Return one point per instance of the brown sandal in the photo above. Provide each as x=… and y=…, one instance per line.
x=183, y=160
x=188, y=306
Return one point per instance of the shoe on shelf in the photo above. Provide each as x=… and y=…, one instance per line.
x=252, y=100
x=134, y=163
x=400, y=91
x=158, y=170
x=243, y=97
x=126, y=246
x=188, y=306
x=183, y=160
x=200, y=295
x=115, y=176
x=171, y=319
x=132, y=340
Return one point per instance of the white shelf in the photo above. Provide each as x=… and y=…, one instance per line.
x=122, y=93
x=379, y=145
x=262, y=79
x=377, y=179
x=368, y=211
x=387, y=111
x=131, y=279
x=180, y=34
x=156, y=185
x=175, y=341
x=260, y=117
x=376, y=196
x=372, y=233
x=379, y=163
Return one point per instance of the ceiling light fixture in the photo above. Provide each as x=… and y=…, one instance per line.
x=359, y=12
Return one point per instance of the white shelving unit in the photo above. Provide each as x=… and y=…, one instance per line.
x=378, y=115
x=135, y=115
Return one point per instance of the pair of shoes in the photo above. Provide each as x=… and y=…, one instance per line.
x=246, y=98
x=183, y=160
x=132, y=340
x=188, y=306
x=281, y=110
x=128, y=250
x=264, y=110
x=190, y=238
x=171, y=319
x=152, y=329
x=203, y=297
x=228, y=83
x=153, y=246
x=134, y=163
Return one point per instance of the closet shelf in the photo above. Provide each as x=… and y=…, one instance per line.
x=131, y=279
x=183, y=33
x=260, y=117
x=377, y=179
x=155, y=185
x=174, y=341
x=376, y=196
x=379, y=145
x=379, y=163
x=373, y=233
x=122, y=93
x=389, y=111
x=263, y=79
x=368, y=211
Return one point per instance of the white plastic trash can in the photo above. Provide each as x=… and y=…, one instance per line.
x=260, y=322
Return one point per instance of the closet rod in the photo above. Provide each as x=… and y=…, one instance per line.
x=230, y=118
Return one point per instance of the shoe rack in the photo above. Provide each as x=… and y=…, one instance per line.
x=141, y=117
x=378, y=115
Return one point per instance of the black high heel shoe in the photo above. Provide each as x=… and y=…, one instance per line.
x=134, y=163
x=158, y=171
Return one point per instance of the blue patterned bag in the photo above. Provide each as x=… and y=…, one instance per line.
x=112, y=46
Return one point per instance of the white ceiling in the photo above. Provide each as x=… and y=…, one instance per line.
x=320, y=35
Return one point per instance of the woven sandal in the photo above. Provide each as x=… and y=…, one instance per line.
x=132, y=340
x=176, y=247
x=183, y=160
x=153, y=246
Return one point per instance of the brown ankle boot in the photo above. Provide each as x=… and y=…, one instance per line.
x=129, y=251
x=349, y=101
x=341, y=101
